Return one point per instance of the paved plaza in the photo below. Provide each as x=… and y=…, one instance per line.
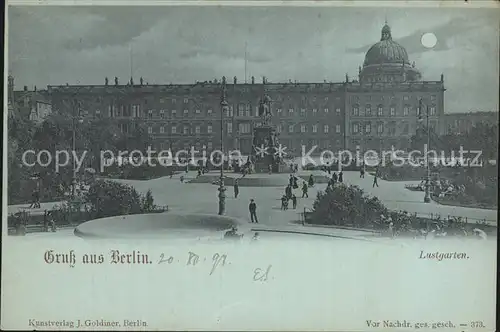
x=202, y=198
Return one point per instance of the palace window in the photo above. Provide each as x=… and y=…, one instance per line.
x=209, y=112
x=302, y=111
x=186, y=100
x=325, y=129
x=338, y=110
x=150, y=114
x=368, y=110
x=279, y=128
x=433, y=110
x=393, y=111
x=355, y=111
x=290, y=128
x=315, y=128
x=244, y=128
x=136, y=112
x=337, y=129
x=380, y=128
x=229, y=127
x=197, y=129
x=197, y=111
x=162, y=130
x=406, y=128
x=174, y=112
x=368, y=127
x=380, y=110
x=150, y=130
x=247, y=110
x=174, y=130
x=405, y=97
x=209, y=145
x=315, y=111
x=406, y=110
x=290, y=111
x=279, y=110
x=174, y=100
x=302, y=128
x=209, y=129
x=186, y=130
x=355, y=128
x=162, y=114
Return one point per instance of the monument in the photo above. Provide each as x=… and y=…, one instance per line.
x=266, y=155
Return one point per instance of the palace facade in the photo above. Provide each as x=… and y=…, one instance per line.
x=377, y=110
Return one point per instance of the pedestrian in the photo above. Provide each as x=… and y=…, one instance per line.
x=290, y=180
x=329, y=169
x=284, y=202
x=182, y=178
x=304, y=190
x=252, y=207
x=294, y=201
x=288, y=192
x=36, y=199
x=199, y=172
x=311, y=181
x=341, y=177
x=187, y=168
x=46, y=221
x=295, y=185
x=362, y=173
x=334, y=177
x=270, y=169
x=375, y=183
x=236, y=188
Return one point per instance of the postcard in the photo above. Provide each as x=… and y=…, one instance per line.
x=205, y=165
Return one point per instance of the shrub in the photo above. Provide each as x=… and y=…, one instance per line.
x=346, y=206
x=109, y=198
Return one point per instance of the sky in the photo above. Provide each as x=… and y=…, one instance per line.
x=175, y=44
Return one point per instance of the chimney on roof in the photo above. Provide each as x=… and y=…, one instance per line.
x=141, y=80
x=106, y=81
x=253, y=79
x=34, y=89
x=25, y=88
x=235, y=80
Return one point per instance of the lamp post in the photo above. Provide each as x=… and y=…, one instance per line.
x=223, y=108
x=427, y=197
x=75, y=115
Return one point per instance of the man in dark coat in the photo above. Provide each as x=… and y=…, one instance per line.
x=288, y=192
x=252, y=207
x=304, y=190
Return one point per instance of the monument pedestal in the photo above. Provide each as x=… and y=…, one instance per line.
x=265, y=146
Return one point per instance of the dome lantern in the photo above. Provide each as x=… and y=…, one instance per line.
x=386, y=32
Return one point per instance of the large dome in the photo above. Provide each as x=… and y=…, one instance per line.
x=386, y=51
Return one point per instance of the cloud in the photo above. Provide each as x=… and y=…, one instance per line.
x=111, y=27
x=444, y=32
x=184, y=44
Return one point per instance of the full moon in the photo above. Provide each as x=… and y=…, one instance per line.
x=429, y=40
